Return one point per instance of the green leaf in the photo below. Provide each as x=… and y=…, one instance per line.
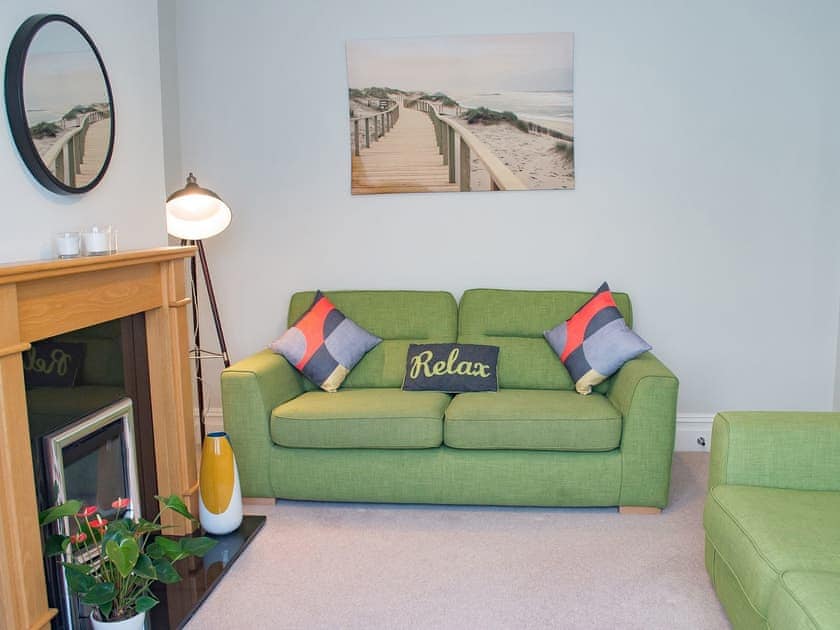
x=145, y=603
x=166, y=572
x=121, y=527
x=101, y=594
x=145, y=569
x=105, y=609
x=56, y=545
x=171, y=548
x=78, y=582
x=78, y=568
x=124, y=554
x=144, y=527
x=198, y=546
x=174, y=503
x=50, y=515
x=154, y=551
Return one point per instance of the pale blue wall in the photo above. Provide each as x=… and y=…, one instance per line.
x=706, y=168
x=130, y=196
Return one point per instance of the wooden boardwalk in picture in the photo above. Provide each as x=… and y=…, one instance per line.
x=96, y=148
x=406, y=159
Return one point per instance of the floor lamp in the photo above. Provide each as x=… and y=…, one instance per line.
x=194, y=214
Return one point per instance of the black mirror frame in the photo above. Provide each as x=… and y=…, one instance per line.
x=16, y=109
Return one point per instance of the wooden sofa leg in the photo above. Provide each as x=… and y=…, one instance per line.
x=638, y=509
x=259, y=501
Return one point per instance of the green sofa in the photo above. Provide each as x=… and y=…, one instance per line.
x=772, y=519
x=534, y=442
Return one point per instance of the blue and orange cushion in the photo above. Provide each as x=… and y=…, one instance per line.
x=595, y=342
x=324, y=344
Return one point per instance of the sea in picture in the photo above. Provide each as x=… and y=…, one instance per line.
x=550, y=109
x=35, y=116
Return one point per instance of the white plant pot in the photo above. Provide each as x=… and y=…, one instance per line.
x=137, y=622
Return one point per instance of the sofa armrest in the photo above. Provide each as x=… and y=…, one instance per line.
x=251, y=388
x=645, y=392
x=776, y=449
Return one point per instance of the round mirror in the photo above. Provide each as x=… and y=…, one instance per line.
x=59, y=103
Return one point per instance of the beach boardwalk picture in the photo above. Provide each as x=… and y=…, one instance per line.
x=470, y=113
x=68, y=109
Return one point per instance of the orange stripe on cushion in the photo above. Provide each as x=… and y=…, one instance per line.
x=312, y=327
x=576, y=325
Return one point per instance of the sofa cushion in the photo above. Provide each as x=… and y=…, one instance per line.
x=515, y=321
x=398, y=318
x=360, y=418
x=595, y=342
x=806, y=600
x=763, y=532
x=532, y=420
x=324, y=344
x=451, y=367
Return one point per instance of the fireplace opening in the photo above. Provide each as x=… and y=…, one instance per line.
x=90, y=423
x=92, y=460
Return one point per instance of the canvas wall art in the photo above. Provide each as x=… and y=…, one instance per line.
x=468, y=113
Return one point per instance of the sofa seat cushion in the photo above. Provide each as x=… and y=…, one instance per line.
x=763, y=532
x=806, y=600
x=360, y=418
x=532, y=420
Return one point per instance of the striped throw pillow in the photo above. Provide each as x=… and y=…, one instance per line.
x=595, y=342
x=324, y=344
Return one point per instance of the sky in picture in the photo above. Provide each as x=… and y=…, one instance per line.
x=526, y=62
x=61, y=71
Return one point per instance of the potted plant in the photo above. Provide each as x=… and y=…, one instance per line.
x=116, y=581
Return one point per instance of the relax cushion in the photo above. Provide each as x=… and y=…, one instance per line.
x=360, y=418
x=515, y=321
x=398, y=318
x=532, y=420
x=806, y=600
x=763, y=532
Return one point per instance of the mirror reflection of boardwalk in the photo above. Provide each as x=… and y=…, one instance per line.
x=406, y=159
x=96, y=148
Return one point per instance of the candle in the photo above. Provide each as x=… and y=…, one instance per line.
x=96, y=242
x=67, y=244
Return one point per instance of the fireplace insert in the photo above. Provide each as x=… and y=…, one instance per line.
x=93, y=460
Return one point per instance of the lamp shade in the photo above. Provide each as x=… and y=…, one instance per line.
x=195, y=213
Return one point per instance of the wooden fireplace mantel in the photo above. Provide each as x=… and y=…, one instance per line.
x=46, y=298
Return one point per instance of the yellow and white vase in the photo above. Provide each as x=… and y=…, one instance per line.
x=219, y=493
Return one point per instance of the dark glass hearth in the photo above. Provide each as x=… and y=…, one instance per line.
x=179, y=602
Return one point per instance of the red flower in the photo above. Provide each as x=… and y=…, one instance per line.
x=119, y=504
x=78, y=538
x=88, y=511
x=100, y=523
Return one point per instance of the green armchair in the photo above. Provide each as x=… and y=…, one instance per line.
x=772, y=519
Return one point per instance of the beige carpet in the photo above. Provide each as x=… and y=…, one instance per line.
x=328, y=565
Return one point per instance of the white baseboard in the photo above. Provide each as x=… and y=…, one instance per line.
x=691, y=427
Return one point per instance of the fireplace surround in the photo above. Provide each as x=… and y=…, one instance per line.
x=47, y=298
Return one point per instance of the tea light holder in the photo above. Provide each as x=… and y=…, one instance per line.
x=97, y=241
x=67, y=244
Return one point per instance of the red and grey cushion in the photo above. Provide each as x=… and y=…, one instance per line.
x=324, y=344
x=595, y=342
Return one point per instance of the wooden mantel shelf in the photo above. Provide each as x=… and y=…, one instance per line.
x=25, y=271
x=45, y=298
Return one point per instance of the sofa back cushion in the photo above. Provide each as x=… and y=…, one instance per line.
x=398, y=317
x=515, y=321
